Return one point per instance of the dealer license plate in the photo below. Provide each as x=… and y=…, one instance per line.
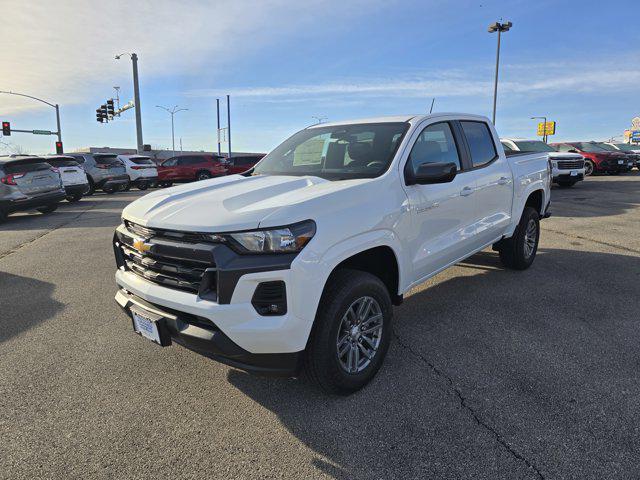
x=145, y=326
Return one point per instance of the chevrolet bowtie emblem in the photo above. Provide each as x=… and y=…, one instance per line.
x=141, y=245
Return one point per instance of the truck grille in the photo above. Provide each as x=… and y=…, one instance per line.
x=174, y=266
x=570, y=164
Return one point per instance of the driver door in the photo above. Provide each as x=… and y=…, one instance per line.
x=443, y=214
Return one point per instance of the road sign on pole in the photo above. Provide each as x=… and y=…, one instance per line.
x=43, y=132
x=546, y=129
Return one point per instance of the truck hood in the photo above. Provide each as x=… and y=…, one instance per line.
x=228, y=203
x=565, y=156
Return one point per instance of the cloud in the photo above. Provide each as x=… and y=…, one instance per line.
x=63, y=50
x=520, y=79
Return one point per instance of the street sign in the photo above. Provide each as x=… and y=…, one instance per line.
x=635, y=136
x=548, y=128
x=42, y=132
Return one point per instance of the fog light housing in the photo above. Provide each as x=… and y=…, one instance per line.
x=270, y=298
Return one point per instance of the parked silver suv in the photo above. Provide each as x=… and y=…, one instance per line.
x=103, y=170
x=28, y=183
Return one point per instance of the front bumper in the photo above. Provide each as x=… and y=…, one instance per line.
x=564, y=176
x=113, y=181
x=203, y=337
x=147, y=180
x=79, y=189
x=29, y=203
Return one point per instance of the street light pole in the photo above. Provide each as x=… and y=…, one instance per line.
x=544, y=119
x=136, y=98
x=56, y=106
x=497, y=27
x=172, y=112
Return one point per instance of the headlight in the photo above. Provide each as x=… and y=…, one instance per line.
x=554, y=164
x=289, y=239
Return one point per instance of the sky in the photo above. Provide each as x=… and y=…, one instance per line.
x=286, y=62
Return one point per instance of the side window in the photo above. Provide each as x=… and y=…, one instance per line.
x=186, y=160
x=483, y=150
x=563, y=147
x=434, y=145
x=170, y=163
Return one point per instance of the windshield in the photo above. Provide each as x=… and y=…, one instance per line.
x=533, y=146
x=62, y=162
x=609, y=148
x=336, y=152
x=590, y=147
x=108, y=160
x=627, y=147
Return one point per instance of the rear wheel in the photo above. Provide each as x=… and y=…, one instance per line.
x=92, y=188
x=143, y=186
x=203, y=175
x=74, y=198
x=351, y=334
x=588, y=167
x=519, y=251
x=108, y=190
x=48, y=208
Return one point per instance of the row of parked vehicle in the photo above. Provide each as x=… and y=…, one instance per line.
x=572, y=161
x=32, y=182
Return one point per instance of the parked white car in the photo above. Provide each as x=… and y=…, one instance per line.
x=141, y=170
x=74, y=178
x=566, y=168
x=297, y=263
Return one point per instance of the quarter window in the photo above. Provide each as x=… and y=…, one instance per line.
x=434, y=145
x=481, y=146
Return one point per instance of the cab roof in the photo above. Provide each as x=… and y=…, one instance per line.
x=415, y=118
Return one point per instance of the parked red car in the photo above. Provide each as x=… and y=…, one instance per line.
x=241, y=164
x=596, y=158
x=187, y=168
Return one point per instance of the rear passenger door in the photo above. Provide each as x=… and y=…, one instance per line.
x=493, y=178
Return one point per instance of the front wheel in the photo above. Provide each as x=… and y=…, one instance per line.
x=351, y=333
x=589, y=167
x=519, y=251
x=204, y=175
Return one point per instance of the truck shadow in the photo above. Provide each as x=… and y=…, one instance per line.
x=483, y=357
x=24, y=303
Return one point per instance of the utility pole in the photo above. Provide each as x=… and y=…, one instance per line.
x=498, y=27
x=544, y=119
x=172, y=112
x=218, y=115
x=136, y=98
x=229, y=122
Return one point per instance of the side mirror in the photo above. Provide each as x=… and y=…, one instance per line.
x=430, y=173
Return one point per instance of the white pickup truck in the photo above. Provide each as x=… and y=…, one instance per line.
x=297, y=263
x=566, y=168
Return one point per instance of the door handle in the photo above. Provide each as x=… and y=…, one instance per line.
x=466, y=191
x=504, y=180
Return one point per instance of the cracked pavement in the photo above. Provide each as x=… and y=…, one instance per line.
x=492, y=374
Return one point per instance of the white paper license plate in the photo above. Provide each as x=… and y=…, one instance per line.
x=145, y=326
x=573, y=173
x=620, y=162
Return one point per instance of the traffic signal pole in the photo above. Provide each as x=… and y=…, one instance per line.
x=136, y=99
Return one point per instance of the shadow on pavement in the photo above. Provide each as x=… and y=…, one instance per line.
x=491, y=371
x=597, y=197
x=24, y=303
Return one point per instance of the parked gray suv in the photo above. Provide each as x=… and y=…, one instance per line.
x=28, y=183
x=103, y=170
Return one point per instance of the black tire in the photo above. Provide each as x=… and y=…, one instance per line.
x=589, y=168
x=566, y=184
x=3, y=216
x=203, y=175
x=74, y=198
x=321, y=361
x=143, y=186
x=165, y=184
x=513, y=252
x=109, y=190
x=92, y=188
x=127, y=187
x=48, y=208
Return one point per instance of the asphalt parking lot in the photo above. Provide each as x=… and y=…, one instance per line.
x=493, y=374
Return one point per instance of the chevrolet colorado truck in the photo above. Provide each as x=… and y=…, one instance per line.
x=567, y=169
x=295, y=265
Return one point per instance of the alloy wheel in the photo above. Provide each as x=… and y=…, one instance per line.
x=530, y=237
x=359, y=335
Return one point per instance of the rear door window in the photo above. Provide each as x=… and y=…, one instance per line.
x=480, y=141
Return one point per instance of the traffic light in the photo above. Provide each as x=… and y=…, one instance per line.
x=110, y=109
x=59, y=149
x=99, y=115
x=6, y=129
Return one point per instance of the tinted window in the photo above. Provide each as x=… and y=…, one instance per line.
x=533, y=146
x=434, y=145
x=188, y=160
x=141, y=160
x=108, y=160
x=62, y=162
x=590, y=147
x=79, y=158
x=26, y=166
x=480, y=142
x=170, y=163
x=563, y=147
